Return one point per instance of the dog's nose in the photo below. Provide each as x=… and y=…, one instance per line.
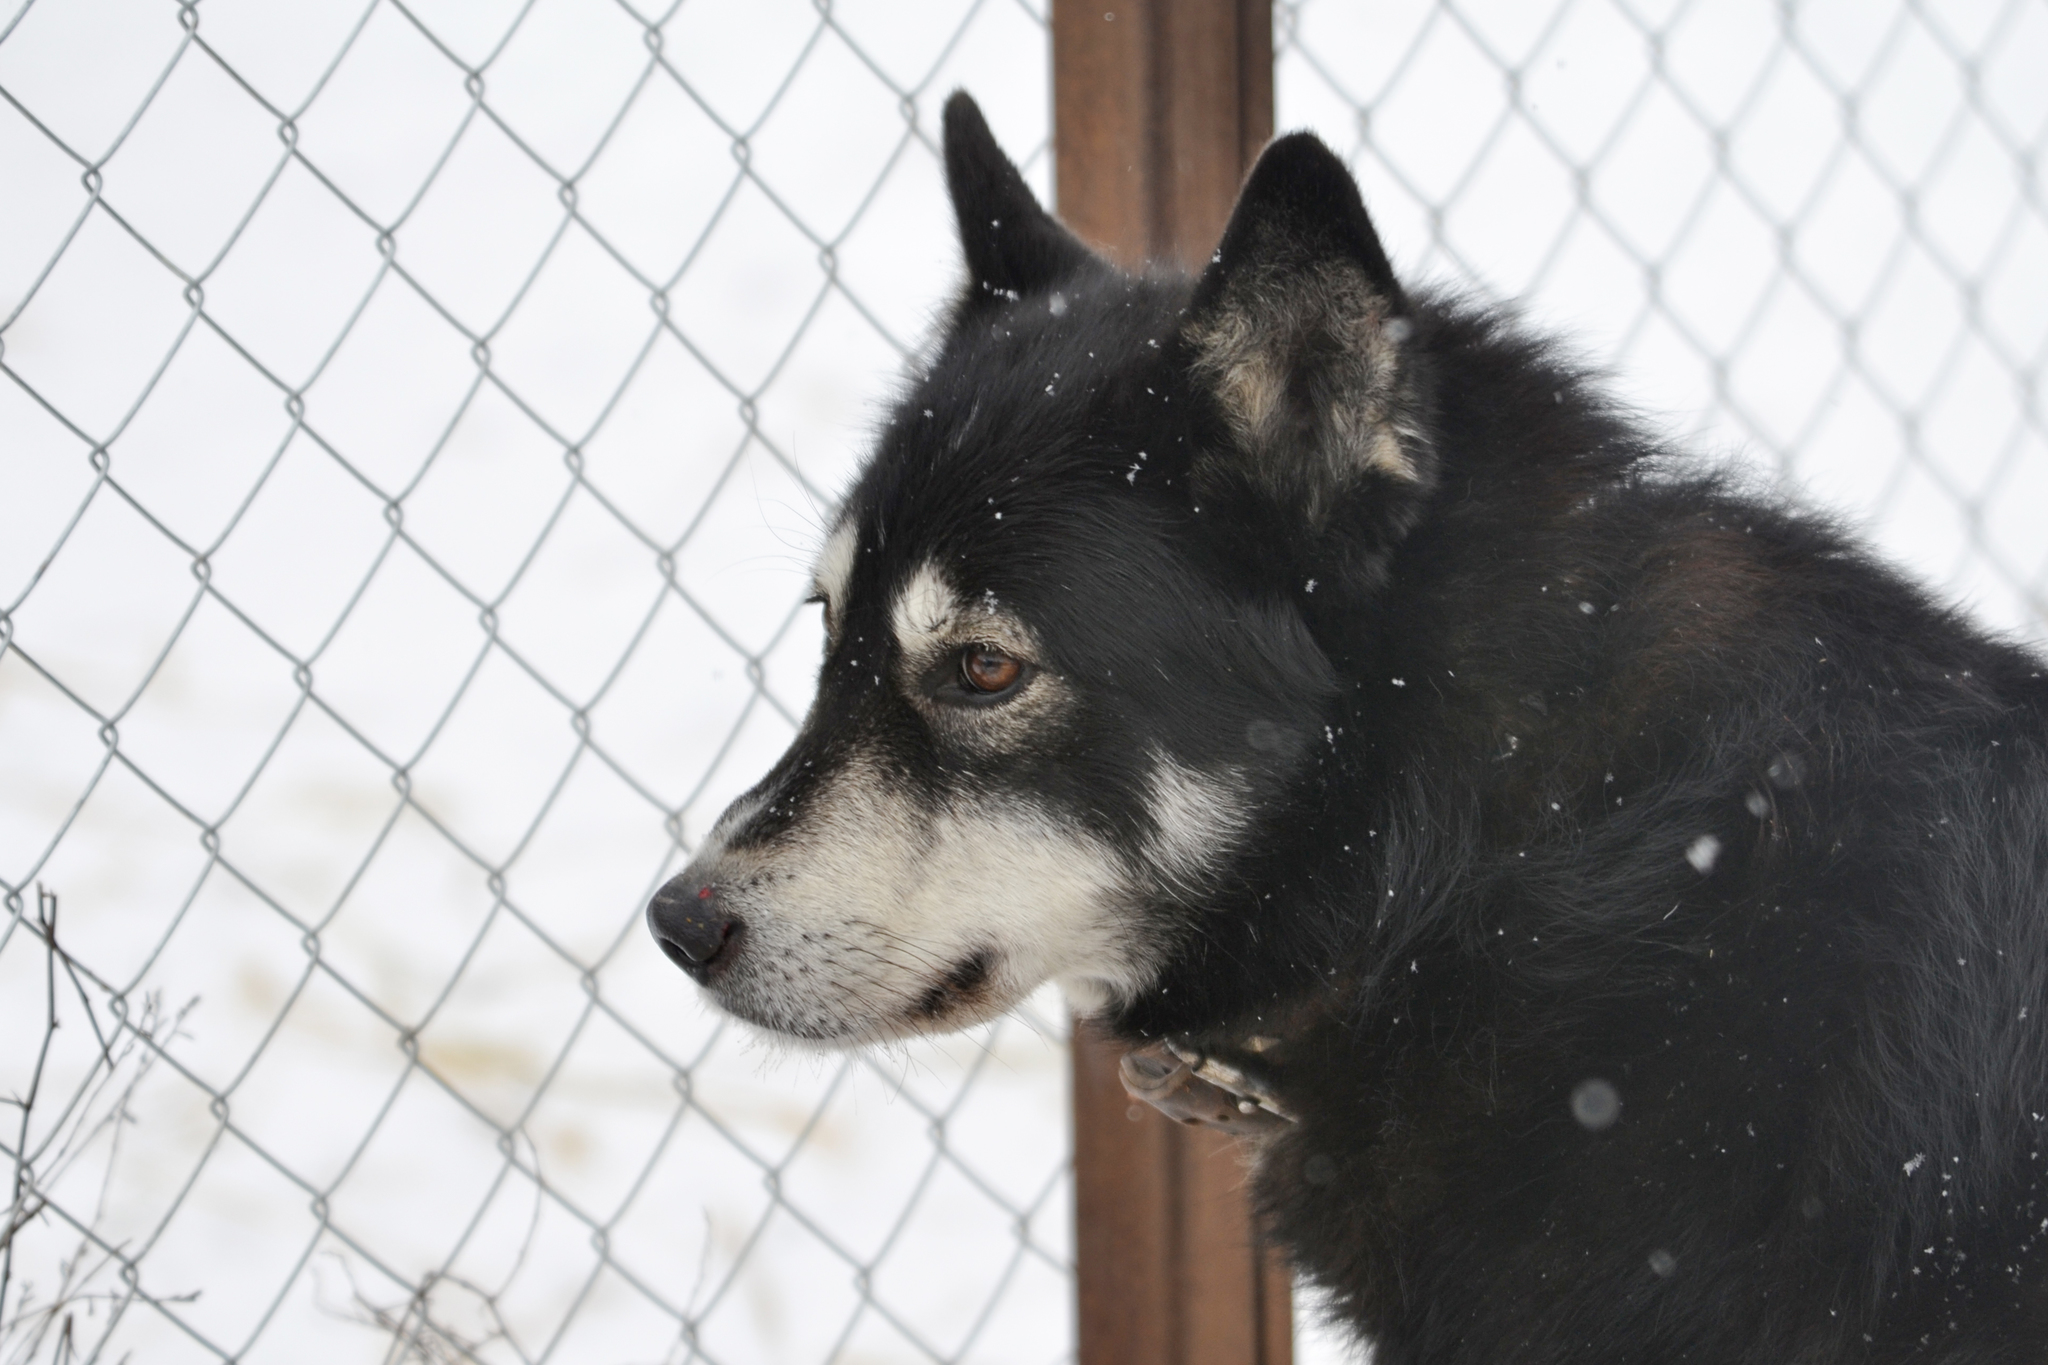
x=688, y=924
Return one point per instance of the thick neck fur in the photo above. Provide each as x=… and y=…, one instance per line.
x=1587, y=798
x=1517, y=430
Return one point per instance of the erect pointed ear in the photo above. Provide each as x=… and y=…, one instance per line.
x=1012, y=245
x=1298, y=331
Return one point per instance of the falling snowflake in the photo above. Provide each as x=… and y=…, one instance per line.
x=1595, y=1104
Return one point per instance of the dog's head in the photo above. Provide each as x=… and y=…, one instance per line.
x=1069, y=674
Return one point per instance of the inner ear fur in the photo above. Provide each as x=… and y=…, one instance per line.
x=1298, y=330
x=1012, y=245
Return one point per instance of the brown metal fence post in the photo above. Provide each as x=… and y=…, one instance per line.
x=1159, y=107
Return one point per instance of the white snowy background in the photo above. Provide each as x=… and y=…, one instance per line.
x=415, y=423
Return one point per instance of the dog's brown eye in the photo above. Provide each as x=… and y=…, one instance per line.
x=986, y=670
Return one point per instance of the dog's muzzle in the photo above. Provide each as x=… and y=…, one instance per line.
x=690, y=926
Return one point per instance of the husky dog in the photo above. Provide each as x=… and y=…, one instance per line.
x=1635, y=895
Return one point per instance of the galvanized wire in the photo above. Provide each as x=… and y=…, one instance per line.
x=1805, y=234
x=395, y=393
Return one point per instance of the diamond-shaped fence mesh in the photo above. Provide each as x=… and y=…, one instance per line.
x=415, y=421
x=1808, y=233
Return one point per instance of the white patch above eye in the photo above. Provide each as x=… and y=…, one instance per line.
x=924, y=611
x=834, y=574
x=1196, y=817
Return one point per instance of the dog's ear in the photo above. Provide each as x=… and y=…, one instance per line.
x=1012, y=245
x=1298, y=331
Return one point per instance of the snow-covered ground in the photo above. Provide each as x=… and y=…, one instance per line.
x=408, y=627
x=399, y=569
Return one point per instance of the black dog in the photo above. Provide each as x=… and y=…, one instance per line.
x=1636, y=896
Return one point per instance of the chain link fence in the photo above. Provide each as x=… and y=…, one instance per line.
x=415, y=420
x=1806, y=234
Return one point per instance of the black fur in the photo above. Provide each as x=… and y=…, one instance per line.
x=1573, y=763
